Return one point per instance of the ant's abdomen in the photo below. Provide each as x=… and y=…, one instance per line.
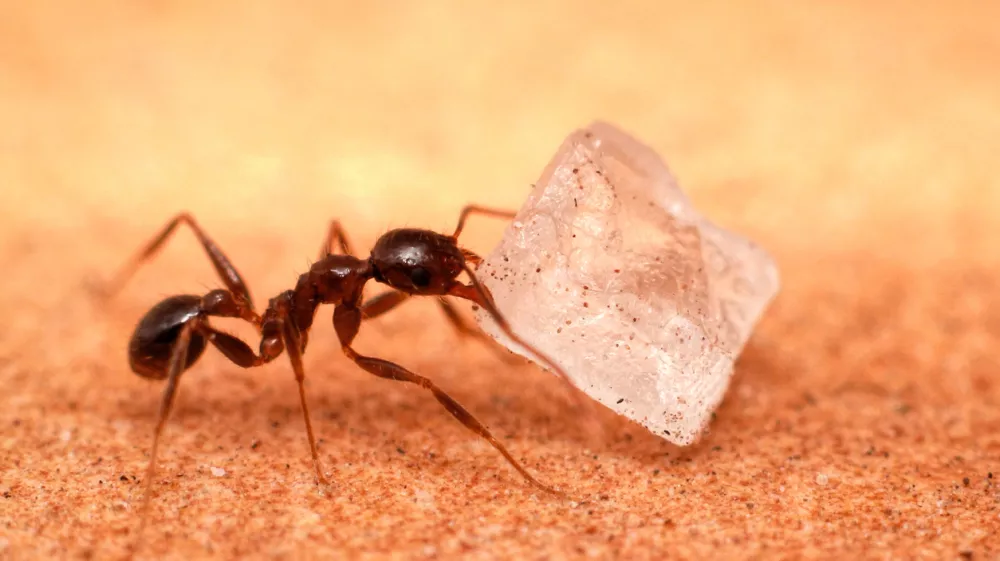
x=153, y=340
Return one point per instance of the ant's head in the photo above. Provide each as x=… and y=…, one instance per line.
x=417, y=261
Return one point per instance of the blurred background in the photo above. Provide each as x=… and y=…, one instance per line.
x=831, y=121
x=856, y=141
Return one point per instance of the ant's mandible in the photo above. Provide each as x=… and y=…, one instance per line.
x=171, y=337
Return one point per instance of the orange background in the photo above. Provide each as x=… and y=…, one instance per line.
x=857, y=141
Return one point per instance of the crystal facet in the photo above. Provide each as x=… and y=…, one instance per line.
x=609, y=270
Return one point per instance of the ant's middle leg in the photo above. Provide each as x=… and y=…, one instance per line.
x=347, y=321
x=230, y=276
x=291, y=339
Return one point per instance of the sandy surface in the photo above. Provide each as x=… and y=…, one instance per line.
x=858, y=144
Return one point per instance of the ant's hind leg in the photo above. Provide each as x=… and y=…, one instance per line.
x=230, y=276
x=176, y=366
x=233, y=348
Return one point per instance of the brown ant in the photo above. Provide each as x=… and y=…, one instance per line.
x=171, y=337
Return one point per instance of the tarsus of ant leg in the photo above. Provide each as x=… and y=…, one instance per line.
x=335, y=233
x=227, y=272
x=178, y=361
x=292, y=346
x=476, y=209
x=393, y=371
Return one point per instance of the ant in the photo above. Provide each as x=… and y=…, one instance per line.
x=172, y=335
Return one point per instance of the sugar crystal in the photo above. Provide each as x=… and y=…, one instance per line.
x=610, y=271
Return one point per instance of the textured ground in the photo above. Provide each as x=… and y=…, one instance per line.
x=858, y=143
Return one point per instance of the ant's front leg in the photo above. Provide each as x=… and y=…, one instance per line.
x=347, y=321
x=227, y=272
x=479, y=294
x=388, y=301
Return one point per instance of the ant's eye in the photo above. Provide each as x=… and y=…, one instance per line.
x=420, y=277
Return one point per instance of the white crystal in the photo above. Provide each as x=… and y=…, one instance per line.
x=609, y=270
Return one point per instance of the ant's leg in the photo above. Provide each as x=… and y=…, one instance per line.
x=383, y=303
x=461, y=325
x=293, y=346
x=466, y=329
x=232, y=347
x=476, y=209
x=336, y=234
x=232, y=279
x=347, y=320
x=223, y=303
x=176, y=366
x=391, y=371
x=479, y=294
x=388, y=301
